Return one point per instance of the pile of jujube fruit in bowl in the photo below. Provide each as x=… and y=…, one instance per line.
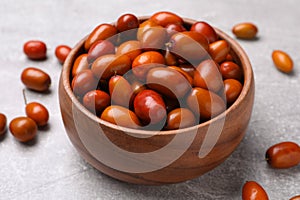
x=156, y=73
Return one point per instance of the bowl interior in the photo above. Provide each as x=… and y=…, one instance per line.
x=236, y=51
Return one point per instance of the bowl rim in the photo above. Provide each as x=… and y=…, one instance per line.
x=234, y=45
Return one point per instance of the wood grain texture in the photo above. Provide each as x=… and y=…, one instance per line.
x=85, y=132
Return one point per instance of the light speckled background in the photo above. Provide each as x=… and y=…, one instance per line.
x=51, y=168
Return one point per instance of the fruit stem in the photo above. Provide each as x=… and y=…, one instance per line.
x=168, y=45
x=24, y=96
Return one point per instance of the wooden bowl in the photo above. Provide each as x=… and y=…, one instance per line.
x=149, y=157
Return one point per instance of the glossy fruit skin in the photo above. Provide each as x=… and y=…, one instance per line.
x=101, y=32
x=189, y=69
x=230, y=70
x=205, y=103
x=37, y=112
x=137, y=87
x=35, y=49
x=229, y=57
x=184, y=73
x=149, y=106
x=146, y=61
x=283, y=155
x=96, y=101
x=180, y=118
x=100, y=48
x=3, y=121
x=120, y=91
x=253, y=191
x=245, y=30
x=207, y=76
x=218, y=50
x=154, y=38
x=145, y=26
x=189, y=45
x=205, y=29
x=121, y=116
x=62, y=52
x=232, y=90
x=170, y=59
x=36, y=79
x=295, y=197
x=168, y=81
x=131, y=48
x=164, y=18
x=23, y=129
x=127, y=22
x=108, y=65
x=282, y=61
x=84, y=82
x=80, y=64
x=174, y=28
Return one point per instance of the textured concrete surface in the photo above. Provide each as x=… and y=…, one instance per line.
x=50, y=168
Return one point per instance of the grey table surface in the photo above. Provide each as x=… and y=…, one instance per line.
x=52, y=169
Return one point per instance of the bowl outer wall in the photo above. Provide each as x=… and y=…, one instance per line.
x=189, y=165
